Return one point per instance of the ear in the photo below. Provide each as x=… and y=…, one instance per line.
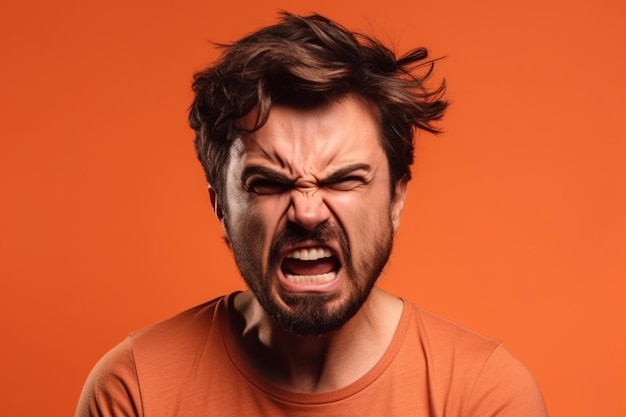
x=397, y=204
x=217, y=208
x=219, y=213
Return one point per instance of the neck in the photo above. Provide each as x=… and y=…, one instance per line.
x=316, y=363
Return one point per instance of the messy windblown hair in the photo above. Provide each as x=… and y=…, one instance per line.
x=307, y=61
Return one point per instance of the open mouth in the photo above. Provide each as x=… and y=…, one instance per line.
x=315, y=265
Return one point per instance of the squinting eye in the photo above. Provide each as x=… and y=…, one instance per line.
x=266, y=187
x=345, y=184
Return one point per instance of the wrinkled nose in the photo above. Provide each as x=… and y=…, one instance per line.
x=307, y=209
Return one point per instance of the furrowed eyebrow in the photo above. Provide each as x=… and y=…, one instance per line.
x=266, y=173
x=341, y=173
x=272, y=175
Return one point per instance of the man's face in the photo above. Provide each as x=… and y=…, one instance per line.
x=309, y=214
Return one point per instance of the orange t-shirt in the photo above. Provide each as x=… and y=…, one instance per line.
x=188, y=366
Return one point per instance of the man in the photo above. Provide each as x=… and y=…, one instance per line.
x=305, y=131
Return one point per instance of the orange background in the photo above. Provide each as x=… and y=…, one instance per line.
x=515, y=225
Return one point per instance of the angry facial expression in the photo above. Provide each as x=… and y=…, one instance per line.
x=309, y=213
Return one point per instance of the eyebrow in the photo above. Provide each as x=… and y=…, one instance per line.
x=266, y=173
x=345, y=171
x=272, y=175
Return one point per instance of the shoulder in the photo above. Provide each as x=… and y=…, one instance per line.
x=112, y=387
x=143, y=358
x=473, y=374
x=451, y=341
x=186, y=326
x=505, y=384
x=165, y=354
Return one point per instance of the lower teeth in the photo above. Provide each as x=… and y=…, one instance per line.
x=311, y=279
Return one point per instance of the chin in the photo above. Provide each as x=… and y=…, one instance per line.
x=312, y=314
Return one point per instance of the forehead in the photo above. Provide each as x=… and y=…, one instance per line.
x=317, y=139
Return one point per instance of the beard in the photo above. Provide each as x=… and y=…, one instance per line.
x=310, y=314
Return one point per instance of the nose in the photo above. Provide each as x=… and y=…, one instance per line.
x=307, y=208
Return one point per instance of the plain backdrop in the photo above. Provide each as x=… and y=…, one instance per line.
x=515, y=224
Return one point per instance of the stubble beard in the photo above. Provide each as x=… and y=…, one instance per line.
x=310, y=314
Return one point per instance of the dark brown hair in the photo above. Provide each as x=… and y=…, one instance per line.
x=306, y=61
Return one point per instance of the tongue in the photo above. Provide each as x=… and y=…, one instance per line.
x=317, y=267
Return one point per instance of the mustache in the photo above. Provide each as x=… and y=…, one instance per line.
x=293, y=234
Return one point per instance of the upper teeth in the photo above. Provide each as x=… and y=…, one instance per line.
x=309, y=254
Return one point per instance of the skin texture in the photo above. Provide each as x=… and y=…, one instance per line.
x=311, y=178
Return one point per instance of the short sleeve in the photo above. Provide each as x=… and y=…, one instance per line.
x=112, y=388
x=505, y=388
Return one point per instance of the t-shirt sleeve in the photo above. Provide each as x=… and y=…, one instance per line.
x=505, y=388
x=112, y=388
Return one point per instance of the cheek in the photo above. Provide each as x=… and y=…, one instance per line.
x=246, y=241
x=253, y=226
x=363, y=216
x=248, y=228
